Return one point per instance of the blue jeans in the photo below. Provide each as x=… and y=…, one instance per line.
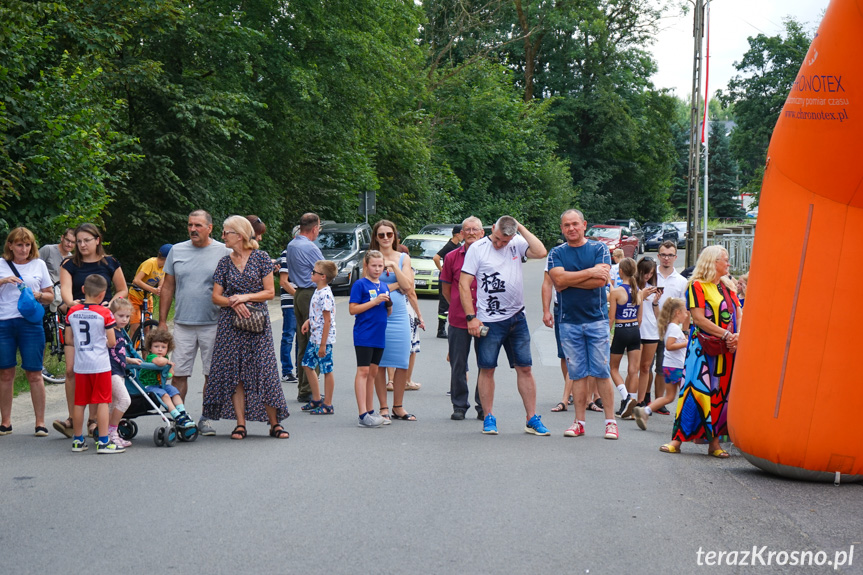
x=588, y=349
x=512, y=331
x=289, y=328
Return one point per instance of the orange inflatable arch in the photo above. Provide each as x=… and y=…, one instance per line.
x=794, y=407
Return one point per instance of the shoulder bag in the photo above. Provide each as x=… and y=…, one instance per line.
x=711, y=344
x=255, y=323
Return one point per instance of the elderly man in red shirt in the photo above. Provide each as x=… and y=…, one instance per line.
x=458, y=336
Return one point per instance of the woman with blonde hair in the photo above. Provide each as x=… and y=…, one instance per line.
x=703, y=401
x=244, y=378
x=399, y=276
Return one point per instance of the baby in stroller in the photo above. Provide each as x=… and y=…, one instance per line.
x=159, y=344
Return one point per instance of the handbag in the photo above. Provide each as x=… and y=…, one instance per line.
x=711, y=344
x=255, y=323
x=30, y=309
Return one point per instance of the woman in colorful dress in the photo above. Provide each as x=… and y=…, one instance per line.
x=244, y=378
x=397, y=352
x=702, y=406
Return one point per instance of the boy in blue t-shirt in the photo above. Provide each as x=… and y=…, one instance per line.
x=370, y=304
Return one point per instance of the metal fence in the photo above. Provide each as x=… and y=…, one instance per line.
x=739, y=248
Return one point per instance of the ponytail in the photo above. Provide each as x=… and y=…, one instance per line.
x=627, y=268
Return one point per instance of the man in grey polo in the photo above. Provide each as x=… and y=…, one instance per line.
x=188, y=279
x=302, y=253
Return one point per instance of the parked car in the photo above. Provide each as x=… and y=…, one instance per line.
x=345, y=245
x=681, y=234
x=655, y=233
x=444, y=229
x=437, y=230
x=614, y=237
x=422, y=248
x=634, y=228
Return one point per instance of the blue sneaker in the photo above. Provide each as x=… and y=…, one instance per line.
x=534, y=425
x=489, y=425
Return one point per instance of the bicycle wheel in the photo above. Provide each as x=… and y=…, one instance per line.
x=54, y=366
x=140, y=335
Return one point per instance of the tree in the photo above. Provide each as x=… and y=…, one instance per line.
x=497, y=146
x=768, y=70
x=723, y=196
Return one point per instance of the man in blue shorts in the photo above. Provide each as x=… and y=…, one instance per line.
x=580, y=270
x=495, y=262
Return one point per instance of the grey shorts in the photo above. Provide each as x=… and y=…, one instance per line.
x=188, y=339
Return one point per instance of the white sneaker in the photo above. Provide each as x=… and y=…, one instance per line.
x=370, y=420
x=119, y=441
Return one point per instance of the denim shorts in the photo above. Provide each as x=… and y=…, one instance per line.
x=311, y=359
x=512, y=332
x=18, y=334
x=587, y=347
x=161, y=390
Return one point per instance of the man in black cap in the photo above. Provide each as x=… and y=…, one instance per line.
x=443, y=304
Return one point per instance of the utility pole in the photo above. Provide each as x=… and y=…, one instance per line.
x=694, y=163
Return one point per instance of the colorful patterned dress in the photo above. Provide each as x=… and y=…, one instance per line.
x=242, y=356
x=703, y=401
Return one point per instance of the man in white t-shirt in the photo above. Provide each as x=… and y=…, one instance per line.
x=674, y=285
x=495, y=262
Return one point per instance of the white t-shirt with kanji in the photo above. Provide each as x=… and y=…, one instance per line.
x=322, y=300
x=499, y=284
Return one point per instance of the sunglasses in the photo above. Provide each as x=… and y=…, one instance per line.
x=382, y=235
x=318, y=273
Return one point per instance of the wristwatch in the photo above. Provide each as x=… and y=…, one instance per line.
x=470, y=317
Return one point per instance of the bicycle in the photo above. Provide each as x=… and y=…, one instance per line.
x=55, y=342
x=145, y=324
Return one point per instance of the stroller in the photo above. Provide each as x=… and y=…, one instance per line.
x=144, y=403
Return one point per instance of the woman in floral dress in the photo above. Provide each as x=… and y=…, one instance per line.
x=244, y=378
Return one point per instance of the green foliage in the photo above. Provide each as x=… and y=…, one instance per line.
x=497, y=147
x=132, y=114
x=722, y=176
x=768, y=70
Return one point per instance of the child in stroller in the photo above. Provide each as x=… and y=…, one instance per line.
x=159, y=343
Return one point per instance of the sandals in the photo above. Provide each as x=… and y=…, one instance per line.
x=387, y=419
x=404, y=417
x=389, y=386
x=39, y=432
x=5, y=430
x=322, y=409
x=669, y=448
x=279, y=432
x=312, y=404
x=412, y=386
x=91, y=427
x=240, y=432
x=719, y=453
x=64, y=427
x=593, y=407
x=561, y=406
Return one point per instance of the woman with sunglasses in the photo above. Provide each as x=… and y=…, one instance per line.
x=89, y=258
x=400, y=277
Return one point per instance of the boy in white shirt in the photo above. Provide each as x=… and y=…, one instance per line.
x=321, y=327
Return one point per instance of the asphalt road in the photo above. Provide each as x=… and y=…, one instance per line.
x=432, y=496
